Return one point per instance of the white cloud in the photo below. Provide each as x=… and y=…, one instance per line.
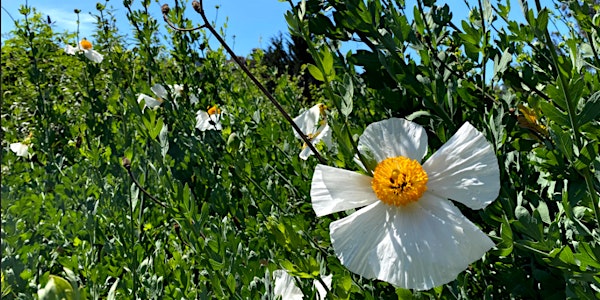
x=67, y=20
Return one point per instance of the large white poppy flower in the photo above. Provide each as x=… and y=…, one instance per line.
x=210, y=119
x=313, y=123
x=86, y=47
x=286, y=287
x=409, y=234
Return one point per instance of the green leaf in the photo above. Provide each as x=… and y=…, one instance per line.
x=57, y=288
x=554, y=114
x=348, y=97
x=506, y=246
x=315, y=72
x=590, y=110
x=501, y=64
x=563, y=140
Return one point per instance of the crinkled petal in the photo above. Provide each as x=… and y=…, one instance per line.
x=394, y=137
x=465, y=169
x=20, y=149
x=159, y=91
x=149, y=101
x=308, y=121
x=285, y=286
x=419, y=246
x=334, y=190
x=93, y=56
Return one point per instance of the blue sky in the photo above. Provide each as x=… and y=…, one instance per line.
x=253, y=22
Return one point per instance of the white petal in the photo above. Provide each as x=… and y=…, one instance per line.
x=177, y=89
x=70, y=50
x=20, y=149
x=321, y=291
x=216, y=122
x=334, y=190
x=159, y=91
x=193, y=99
x=308, y=121
x=149, y=101
x=420, y=246
x=465, y=169
x=394, y=137
x=324, y=134
x=202, y=120
x=285, y=286
x=305, y=153
x=93, y=56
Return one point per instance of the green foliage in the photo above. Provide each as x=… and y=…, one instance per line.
x=220, y=210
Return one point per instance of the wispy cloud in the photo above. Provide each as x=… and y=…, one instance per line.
x=67, y=20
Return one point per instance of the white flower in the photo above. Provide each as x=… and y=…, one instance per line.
x=287, y=289
x=209, y=120
x=313, y=123
x=161, y=92
x=409, y=234
x=177, y=91
x=20, y=149
x=86, y=47
x=150, y=102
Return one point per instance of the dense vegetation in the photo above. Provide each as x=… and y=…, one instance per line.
x=217, y=211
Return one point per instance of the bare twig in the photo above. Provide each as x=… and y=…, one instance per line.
x=127, y=165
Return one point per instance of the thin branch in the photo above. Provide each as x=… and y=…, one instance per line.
x=127, y=165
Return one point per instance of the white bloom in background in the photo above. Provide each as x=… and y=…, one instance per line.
x=162, y=93
x=20, y=149
x=407, y=232
x=177, y=90
x=151, y=102
x=85, y=46
x=313, y=123
x=285, y=286
x=210, y=119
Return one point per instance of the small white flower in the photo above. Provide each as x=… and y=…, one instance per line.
x=314, y=124
x=285, y=286
x=153, y=103
x=407, y=232
x=20, y=149
x=209, y=120
x=86, y=47
x=176, y=90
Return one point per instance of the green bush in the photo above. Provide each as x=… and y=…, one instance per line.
x=117, y=200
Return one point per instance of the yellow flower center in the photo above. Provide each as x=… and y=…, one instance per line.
x=399, y=181
x=85, y=44
x=213, y=110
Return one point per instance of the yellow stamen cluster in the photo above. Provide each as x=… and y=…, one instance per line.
x=213, y=110
x=399, y=181
x=85, y=44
